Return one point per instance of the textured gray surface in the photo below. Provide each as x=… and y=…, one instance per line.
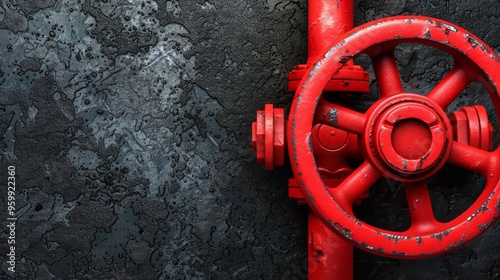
x=129, y=126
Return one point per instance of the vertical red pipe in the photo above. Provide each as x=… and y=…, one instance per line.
x=327, y=20
x=329, y=256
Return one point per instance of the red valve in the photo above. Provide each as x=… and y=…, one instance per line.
x=268, y=136
x=403, y=136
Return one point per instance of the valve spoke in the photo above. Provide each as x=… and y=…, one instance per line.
x=450, y=86
x=387, y=72
x=340, y=117
x=420, y=206
x=357, y=183
x=472, y=158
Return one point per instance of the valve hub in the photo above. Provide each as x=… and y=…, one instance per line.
x=407, y=137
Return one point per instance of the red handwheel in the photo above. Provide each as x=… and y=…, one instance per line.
x=403, y=136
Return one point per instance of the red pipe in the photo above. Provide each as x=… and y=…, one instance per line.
x=327, y=20
x=329, y=256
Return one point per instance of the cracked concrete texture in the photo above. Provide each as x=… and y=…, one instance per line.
x=129, y=126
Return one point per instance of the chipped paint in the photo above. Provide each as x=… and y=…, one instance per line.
x=363, y=244
x=399, y=254
x=483, y=227
x=457, y=244
x=308, y=193
x=439, y=236
x=356, y=221
x=334, y=48
x=427, y=34
x=447, y=27
x=419, y=240
x=333, y=116
x=340, y=229
x=481, y=209
x=474, y=43
x=311, y=74
x=394, y=237
x=344, y=59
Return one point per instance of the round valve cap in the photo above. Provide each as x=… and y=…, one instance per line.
x=268, y=136
x=408, y=137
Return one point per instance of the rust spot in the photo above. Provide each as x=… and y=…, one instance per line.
x=427, y=34
x=447, y=27
x=364, y=245
x=371, y=248
x=396, y=238
x=419, y=240
x=308, y=193
x=344, y=59
x=341, y=229
x=399, y=254
x=333, y=116
x=471, y=41
x=318, y=253
x=380, y=250
x=295, y=156
x=474, y=43
x=481, y=209
x=309, y=142
x=334, y=48
x=438, y=236
x=347, y=233
x=483, y=227
x=456, y=244
x=358, y=223
x=311, y=74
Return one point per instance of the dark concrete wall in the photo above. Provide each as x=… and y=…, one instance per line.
x=128, y=123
